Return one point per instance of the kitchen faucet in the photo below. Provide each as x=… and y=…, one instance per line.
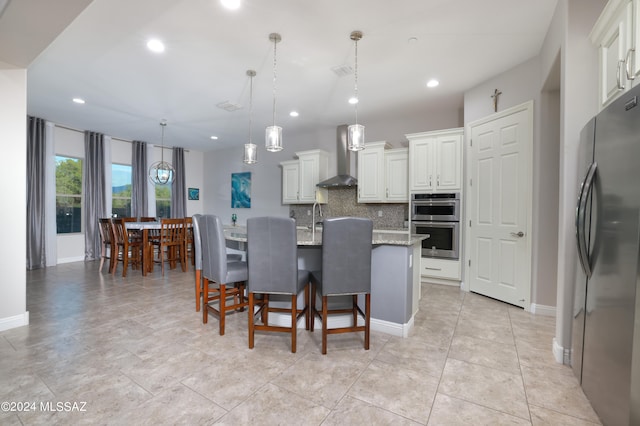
x=313, y=219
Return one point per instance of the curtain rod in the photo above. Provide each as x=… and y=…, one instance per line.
x=112, y=137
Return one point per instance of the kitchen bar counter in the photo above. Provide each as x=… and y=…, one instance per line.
x=395, y=275
x=308, y=238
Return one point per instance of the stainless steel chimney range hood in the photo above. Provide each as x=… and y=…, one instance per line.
x=344, y=178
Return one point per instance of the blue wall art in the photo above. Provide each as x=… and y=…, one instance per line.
x=194, y=193
x=241, y=190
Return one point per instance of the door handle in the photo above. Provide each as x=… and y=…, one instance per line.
x=519, y=234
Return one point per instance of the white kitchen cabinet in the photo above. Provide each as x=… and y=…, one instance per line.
x=616, y=34
x=435, y=161
x=382, y=174
x=440, y=269
x=299, y=177
x=396, y=169
x=290, y=181
x=371, y=178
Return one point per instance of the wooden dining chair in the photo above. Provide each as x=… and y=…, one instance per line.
x=346, y=271
x=128, y=249
x=106, y=242
x=169, y=245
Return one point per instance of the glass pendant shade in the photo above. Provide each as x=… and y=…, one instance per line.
x=250, y=153
x=273, y=134
x=161, y=173
x=355, y=137
x=250, y=149
x=273, y=138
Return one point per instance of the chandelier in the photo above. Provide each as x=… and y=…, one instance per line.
x=161, y=172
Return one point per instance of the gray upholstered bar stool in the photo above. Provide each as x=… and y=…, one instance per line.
x=216, y=269
x=346, y=270
x=272, y=255
x=197, y=248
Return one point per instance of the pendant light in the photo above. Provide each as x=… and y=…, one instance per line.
x=273, y=134
x=355, y=133
x=161, y=172
x=250, y=149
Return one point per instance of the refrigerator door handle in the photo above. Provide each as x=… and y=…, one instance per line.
x=581, y=211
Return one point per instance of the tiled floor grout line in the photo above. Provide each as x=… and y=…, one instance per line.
x=435, y=395
x=524, y=383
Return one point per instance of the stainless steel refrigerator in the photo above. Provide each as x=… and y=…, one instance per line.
x=606, y=326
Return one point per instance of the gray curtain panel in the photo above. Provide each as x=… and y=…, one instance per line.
x=36, y=163
x=178, y=190
x=139, y=198
x=94, y=192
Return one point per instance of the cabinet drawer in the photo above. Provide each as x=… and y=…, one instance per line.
x=440, y=268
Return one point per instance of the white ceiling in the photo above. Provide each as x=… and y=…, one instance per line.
x=101, y=57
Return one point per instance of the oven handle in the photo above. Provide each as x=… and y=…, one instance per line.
x=446, y=201
x=449, y=224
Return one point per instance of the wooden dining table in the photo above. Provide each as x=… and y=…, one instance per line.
x=147, y=255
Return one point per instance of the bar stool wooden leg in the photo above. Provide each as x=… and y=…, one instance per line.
x=223, y=297
x=251, y=319
x=294, y=316
x=324, y=325
x=198, y=289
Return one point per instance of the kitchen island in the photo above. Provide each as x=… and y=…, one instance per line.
x=395, y=275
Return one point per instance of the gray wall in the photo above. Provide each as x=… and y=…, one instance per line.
x=579, y=102
x=519, y=85
x=562, y=81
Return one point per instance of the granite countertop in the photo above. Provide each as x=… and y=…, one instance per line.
x=395, y=237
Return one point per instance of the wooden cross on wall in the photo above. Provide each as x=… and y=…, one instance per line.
x=495, y=95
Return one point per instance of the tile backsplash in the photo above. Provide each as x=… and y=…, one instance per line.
x=344, y=202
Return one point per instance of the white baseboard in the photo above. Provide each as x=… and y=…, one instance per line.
x=14, y=321
x=336, y=321
x=71, y=259
x=393, y=328
x=558, y=352
x=544, y=310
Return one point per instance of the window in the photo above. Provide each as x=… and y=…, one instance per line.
x=163, y=201
x=68, y=195
x=121, y=190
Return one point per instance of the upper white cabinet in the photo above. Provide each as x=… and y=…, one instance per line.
x=396, y=170
x=382, y=174
x=299, y=177
x=435, y=161
x=290, y=181
x=616, y=34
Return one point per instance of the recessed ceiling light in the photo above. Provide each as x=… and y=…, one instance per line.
x=353, y=100
x=215, y=138
x=231, y=4
x=433, y=83
x=155, y=45
x=294, y=113
x=78, y=100
x=412, y=40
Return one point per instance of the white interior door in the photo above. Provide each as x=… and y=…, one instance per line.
x=499, y=205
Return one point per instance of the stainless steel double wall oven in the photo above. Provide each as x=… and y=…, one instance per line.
x=438, y=217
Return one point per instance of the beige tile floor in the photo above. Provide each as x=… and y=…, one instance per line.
x=136, y=352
